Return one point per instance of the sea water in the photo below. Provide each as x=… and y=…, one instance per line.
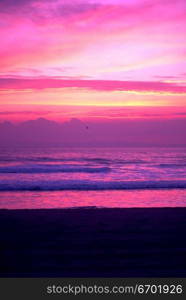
x=100, y=177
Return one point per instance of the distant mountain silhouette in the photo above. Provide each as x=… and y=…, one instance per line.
x=43, y=132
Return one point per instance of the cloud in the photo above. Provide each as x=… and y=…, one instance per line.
x=61, y=43
x=90, y=113
x=26, y=112
x=46, y=9
x=97, y=85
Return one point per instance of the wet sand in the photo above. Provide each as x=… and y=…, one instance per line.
x=92, y=242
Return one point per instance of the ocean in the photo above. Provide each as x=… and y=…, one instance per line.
x=96, y=177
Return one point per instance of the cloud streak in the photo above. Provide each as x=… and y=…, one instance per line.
x=98, y=85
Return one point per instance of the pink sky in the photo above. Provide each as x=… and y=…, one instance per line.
x=77, y=58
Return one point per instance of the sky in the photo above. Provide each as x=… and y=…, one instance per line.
x=92, y=60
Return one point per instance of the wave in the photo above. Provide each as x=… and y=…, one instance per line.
x=86, y=185
x=96, y=160
x=176, y=165
x=52, y=169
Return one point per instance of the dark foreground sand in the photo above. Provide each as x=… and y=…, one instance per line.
x=135, y=242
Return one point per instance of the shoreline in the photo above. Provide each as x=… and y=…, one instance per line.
x=50, y=209
x=93, y=242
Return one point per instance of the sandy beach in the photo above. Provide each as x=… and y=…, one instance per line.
x=92, y=242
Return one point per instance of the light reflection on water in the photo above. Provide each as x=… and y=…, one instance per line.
x=65, y=199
